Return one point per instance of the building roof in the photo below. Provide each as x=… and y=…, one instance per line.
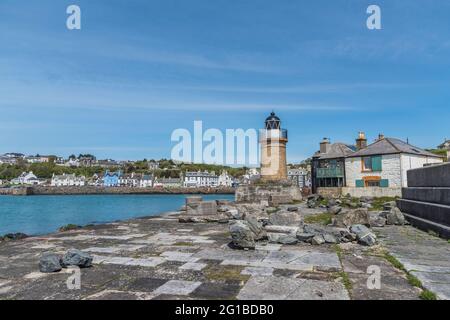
x=391, y=146
x=337, y=150
x=444, y=145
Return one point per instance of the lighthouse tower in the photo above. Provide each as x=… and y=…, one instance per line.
x=273, y=142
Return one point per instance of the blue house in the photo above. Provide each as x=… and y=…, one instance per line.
x=111, y=179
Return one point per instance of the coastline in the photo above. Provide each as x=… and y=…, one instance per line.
x=94, y=190
x=91, y=225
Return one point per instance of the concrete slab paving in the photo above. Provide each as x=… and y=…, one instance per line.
x=178, y=287
x=150, y=258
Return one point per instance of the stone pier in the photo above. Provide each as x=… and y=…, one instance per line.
x=426, y=201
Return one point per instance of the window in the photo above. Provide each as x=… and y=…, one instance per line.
x=373, y=183
x=367, y=163
x=371, y=163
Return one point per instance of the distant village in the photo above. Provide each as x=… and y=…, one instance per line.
x=113, y=174
x=360, y=169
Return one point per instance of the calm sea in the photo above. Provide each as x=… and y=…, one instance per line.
x=36, y=215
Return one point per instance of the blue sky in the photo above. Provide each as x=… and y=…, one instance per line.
x=139, y=69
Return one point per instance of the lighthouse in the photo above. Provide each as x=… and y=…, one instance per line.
x=273, y=140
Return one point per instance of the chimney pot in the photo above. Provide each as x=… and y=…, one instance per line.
x=361, y=142
x=325, y=145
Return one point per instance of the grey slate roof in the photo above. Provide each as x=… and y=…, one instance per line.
x=337, y=150
x=391, y=146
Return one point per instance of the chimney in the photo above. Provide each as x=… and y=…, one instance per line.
x=380, y=136
x=325, y=145
x=361, y=142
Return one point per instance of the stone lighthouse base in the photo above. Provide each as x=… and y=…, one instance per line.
x=268, y=193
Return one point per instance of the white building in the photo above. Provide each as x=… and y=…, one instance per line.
x=130, y=180
x=380, y=168
x=201, y=179
x=65, y=180
x=146, y=181
x=299, y=177
x=252, y=174
x=225, y=180
x=11, y=158
x=37, y=159
x=27, y=178
x=72, y=162
x=168, y=183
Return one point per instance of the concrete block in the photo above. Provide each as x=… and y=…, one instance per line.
x=427, y=194
x=429, y=211
x=202, y=208
x=433, y=176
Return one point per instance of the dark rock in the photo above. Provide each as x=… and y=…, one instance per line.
x=280, y=238
x=363, y=235
x=235, y=214
x=14, y=236
x=329, y=238
x=387, y=206
x=256, y=227
x=290, y=209
x=190, y=219
x=287, y=239
x=49, y=262
x=304, y=237
x=311, y=204
x=395, y=217
x=334, y=210
x=348, y=218
x=285, y=218
x=331, y=202
x=317, y=239
x=376, y=220
x=75, y=257
x=342, y=234
x=242, y=236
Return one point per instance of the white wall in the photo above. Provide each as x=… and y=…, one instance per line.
x=413, y=162
x=372, y=192
x=391, y=170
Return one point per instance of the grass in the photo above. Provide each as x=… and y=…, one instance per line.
x=224, y=273
x=183, y=243
x=412, y=280
x=427, y=295
x=273, y=210
x=377, y=204
x=321, y=218
x=342, y=274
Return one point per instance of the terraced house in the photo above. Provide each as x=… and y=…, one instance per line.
x=378, y=169
x=328, y=165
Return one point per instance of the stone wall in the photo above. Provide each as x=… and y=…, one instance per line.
x=329, y=191
x=372, y=192
x=263, y=193
x=426, y=201
x=21, y=191
x=414, y=162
